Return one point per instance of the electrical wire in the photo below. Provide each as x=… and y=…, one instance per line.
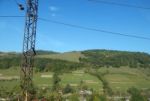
x=94, y=29
x=86, y=28
x=12, y=16
x=119, y=4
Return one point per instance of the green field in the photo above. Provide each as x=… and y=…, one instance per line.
x=119, y=79
x=76, y=77
x=44, y=79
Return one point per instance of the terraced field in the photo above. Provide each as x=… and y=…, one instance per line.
x=119, y=79
x=45, y=79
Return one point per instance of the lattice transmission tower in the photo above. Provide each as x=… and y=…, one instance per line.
x=28, y=54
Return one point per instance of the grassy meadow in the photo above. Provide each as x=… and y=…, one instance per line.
x=119, y=79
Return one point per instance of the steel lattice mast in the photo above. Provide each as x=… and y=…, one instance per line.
x=29, y=49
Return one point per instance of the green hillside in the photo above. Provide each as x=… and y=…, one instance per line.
x=44, y=52
x=69, y=56
x=111, y=58
x=102, y=71
x=92, y=58
x=119, y=79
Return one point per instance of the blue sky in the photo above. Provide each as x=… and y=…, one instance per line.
x=50, y=36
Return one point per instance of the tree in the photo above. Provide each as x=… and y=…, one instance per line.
x=56, y=81
x=135, y=95
x=68, y=89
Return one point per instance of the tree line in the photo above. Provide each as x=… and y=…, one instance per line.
x=92, y=58
x=40, y=64
x=109, y=58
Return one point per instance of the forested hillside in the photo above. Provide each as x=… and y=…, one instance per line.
x=109, y=58
x=94, y=58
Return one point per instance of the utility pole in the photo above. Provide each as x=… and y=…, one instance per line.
x=28, y=53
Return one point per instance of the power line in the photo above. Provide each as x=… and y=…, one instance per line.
x=86, y=28
x=119, y=4
x=94, y=29
x=12, y=16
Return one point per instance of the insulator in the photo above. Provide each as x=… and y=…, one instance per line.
x=21, y=7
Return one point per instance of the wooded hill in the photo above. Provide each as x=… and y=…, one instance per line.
x=109, y=58
x=54, y=61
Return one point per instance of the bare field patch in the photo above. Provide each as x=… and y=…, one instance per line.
x=78, y=74
x=46, y=76
x=122, y=82
x=73, y=84
x=9, y=78
x=91, y=81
